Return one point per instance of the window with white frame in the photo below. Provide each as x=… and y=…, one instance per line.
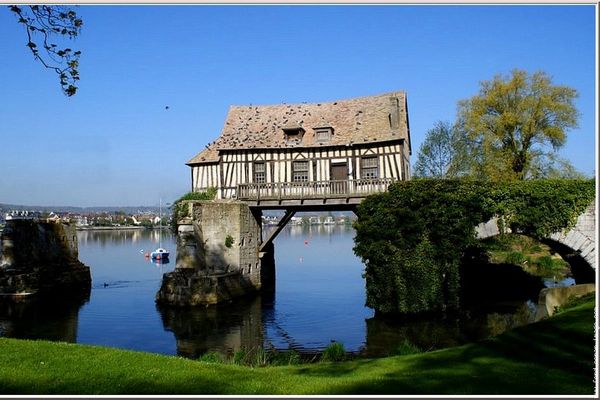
x=300, y=171
x=259, y=172
x=369, y=167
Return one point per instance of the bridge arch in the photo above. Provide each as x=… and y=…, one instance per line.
x=581, y=238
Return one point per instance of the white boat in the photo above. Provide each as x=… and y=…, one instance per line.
x=160, y=253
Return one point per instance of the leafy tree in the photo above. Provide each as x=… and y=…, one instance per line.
x=513, y=121
x=437, y=153
x=46, y=26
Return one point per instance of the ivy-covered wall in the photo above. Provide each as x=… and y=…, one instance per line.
x=413, y=237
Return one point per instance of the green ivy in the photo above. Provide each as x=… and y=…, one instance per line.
x=413, y=237
x=229, y=241
x=180, y=208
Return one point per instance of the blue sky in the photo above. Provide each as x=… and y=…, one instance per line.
x=115, y=144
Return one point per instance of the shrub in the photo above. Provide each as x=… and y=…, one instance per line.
x=515, y=257
x=180, y=209
x=334, y=352
x=545, y=263
x=406, y=348
x=212, y=357
x=288, y=357
x=413, y=237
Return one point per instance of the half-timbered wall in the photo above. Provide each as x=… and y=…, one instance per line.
x=237, y=167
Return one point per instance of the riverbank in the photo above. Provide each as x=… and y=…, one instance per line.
x=554, y=356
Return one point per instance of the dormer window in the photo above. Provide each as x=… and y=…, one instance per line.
x=293, y=135
x=323, y=135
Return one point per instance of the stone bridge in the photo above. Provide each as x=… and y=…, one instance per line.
x=581, y=238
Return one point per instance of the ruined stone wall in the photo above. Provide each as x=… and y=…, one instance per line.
x=26, y=243
x=217, y=255
x=41, y=257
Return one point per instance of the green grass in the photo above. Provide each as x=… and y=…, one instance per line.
x=534, y=257
x=554, y=356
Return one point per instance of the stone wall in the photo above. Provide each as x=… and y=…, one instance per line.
x=41, y=258
x=552, y=298
x=581, y=238
x=217, y=255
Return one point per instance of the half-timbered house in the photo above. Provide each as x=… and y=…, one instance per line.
x=326, y=152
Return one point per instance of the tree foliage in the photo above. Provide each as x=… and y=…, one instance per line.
x=46, y=26
x=413, y=238
x=516, y=121
x=438, y=156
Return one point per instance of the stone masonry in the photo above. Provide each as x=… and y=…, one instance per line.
x=41, y=258
x=581, y=238
x=217, y=255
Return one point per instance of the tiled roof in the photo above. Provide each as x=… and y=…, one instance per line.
x=359, y=120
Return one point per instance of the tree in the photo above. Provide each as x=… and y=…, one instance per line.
x=515, y=122
x=436, y=153
x=443, y=153
x=45, y=26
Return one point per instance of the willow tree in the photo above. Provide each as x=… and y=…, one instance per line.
x=514, y=122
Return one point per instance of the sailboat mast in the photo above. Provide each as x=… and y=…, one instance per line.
x=160, y=223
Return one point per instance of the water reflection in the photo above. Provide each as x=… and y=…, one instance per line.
x=42, y=318
x=224, y=328
x=121, y=236
x=320, y=297
x=386, y=335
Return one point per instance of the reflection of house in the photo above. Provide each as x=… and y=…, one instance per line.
x=320, y=150
x=329, y=221
x=314, y=220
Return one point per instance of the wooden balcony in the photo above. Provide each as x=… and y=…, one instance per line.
x=318, y=193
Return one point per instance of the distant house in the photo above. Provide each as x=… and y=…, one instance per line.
x=320, y=149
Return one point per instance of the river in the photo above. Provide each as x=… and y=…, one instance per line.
x=319, y=298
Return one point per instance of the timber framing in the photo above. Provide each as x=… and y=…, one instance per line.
x=308, y=155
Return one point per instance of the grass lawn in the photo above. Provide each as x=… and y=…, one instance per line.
x=554, y=356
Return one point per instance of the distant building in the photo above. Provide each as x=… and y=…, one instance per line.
x=21, y=214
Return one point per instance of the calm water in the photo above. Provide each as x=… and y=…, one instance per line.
x=319, y=298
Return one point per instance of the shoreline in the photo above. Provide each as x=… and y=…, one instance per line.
x=114, y=228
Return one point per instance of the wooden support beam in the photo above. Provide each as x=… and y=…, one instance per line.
x=282, y=223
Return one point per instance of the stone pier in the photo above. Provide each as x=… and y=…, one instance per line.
x=218, y=255
x=40, y=258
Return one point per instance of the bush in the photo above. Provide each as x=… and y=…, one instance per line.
x=406, y=348
x=180, y=209
x=546, y=263
x=515, y=257
x=288, y=357
x=334, y=352
x=413, y=237
x=212, y=357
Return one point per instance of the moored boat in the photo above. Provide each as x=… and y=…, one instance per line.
x=159, y=254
